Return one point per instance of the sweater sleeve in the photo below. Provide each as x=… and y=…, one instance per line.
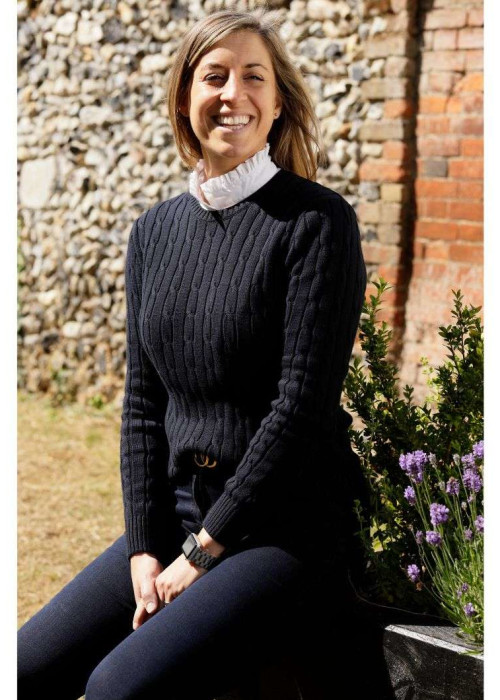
x=147, y=497
x=326, y=282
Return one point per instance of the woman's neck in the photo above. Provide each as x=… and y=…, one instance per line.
x=216, y=168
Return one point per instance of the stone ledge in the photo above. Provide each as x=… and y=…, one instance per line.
x=371, y=655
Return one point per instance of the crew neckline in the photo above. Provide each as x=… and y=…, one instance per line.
x=228, y=212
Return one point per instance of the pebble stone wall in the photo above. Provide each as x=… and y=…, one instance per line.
x=397, y=86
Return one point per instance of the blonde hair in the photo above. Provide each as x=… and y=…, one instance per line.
x=295, y=138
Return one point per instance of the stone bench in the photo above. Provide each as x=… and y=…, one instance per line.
x=374, y=653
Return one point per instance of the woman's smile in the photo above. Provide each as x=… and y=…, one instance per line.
x=232, y=124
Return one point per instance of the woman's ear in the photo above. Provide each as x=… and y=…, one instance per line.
x=183, y=107
x=279, y=105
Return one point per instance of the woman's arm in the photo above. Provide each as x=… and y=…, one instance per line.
x=209, y=544
x=149, y=508
x=326, y=286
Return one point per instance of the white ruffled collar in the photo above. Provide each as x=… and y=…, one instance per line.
x=230, y=188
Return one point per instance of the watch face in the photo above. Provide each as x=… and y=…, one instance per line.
x=189, y=545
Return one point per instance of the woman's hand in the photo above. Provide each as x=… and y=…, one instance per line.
x=155, y=586
x=178, y=575
x=181, y=573
x=144, y=569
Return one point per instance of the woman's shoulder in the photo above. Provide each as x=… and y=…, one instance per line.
x=312, y=196
x=320, y=212
x=151, y=219
x=157, y=212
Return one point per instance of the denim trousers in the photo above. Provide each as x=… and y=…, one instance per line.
x=254, y=604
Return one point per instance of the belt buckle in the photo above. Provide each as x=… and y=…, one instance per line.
x=204, y=460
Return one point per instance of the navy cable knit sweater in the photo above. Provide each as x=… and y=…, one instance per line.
x=240, y=328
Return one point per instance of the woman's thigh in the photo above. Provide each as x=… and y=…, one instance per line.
x=61, y=644
x=199, y=644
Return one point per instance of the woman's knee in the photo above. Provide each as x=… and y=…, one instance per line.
x=110, y=682
x=103, y=686
x=36, y=677
x=34, y=667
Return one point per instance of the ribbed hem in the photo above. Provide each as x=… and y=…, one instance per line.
x=225, y=521
x=138, y=537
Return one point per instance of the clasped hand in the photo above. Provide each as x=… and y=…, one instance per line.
x=155, y=586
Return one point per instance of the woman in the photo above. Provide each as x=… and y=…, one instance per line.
x=243, y=300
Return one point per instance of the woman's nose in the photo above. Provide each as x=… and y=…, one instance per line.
x=233, y=88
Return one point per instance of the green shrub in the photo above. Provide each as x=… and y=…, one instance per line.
x=409, y=454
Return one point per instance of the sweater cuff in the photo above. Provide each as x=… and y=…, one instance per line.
x=226, y=520
x=140, y=538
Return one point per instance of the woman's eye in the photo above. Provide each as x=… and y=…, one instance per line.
x=214, y=76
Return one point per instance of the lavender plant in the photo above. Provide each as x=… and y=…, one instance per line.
x=450, y=543
x=422, y=532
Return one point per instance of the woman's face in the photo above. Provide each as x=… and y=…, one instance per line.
x=240, y=84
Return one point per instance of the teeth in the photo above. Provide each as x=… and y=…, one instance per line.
x=244, y=119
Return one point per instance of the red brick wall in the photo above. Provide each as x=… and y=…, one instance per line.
x=422, y=171
x=448, y=235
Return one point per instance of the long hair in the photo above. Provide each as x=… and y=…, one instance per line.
x=295, y=138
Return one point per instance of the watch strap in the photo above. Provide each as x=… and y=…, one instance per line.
x=195, y=553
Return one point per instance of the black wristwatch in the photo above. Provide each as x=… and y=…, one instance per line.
x=193, y=552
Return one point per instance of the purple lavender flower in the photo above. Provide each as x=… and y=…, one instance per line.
x=472, y=480
x=413, y=464
x=469, y=461
x=419, y=536
x=479, y=523
x=478, y=449
x=420, y=457
x=453, y=486
x=413, y=573
x=433, y=537
x=410, y=495
x=469, y=609
x=439, y=513
x=468, y=534
x=463, y=589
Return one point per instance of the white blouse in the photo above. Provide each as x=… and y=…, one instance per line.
x=237, y=184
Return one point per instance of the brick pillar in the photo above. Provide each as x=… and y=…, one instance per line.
x=386, y=209
x=447, y=242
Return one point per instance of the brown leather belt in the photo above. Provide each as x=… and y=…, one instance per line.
x=203, y=460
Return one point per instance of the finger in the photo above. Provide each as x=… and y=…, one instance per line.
x=139, y=615
x=164, y=592
x=150, y=596
x=137, y=595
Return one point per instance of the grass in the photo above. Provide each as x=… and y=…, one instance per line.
x=69, y=494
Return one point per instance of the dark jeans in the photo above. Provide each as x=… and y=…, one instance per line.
x=250, y=606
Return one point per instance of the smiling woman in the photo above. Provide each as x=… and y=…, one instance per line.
x=234, y=63
x=231, y=111
x=243, y=300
